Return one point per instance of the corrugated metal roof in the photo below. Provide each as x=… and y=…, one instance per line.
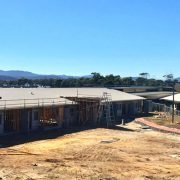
x=33, y=95
x=170, y=98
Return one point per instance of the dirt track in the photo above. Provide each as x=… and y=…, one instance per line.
x=96, y=154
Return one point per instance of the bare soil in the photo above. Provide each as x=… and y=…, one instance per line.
x=127, y=152
x=164, y=121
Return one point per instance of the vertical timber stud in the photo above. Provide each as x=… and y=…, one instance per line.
x=173, y=102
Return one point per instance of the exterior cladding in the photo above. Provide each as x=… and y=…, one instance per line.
x=147, y=106
x=30, y=119
x=70, y=116
x=61, y=112
x=129, y=108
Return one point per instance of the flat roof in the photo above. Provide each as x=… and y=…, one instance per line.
x=12, y=98
x=154, y=95
x=33, y=103
x=170, y=98
x=135, y=87
x=40, y=93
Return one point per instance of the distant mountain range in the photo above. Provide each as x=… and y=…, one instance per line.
x=6, y=78
x=13, y=75
x=16, y=74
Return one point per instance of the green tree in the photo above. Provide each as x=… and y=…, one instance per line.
x=144, y=75
x=168, y=77
x=127, y=81
x=97, y=79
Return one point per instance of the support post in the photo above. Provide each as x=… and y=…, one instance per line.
x=173, y=102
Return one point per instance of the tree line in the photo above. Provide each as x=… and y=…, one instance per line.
x=96, y=80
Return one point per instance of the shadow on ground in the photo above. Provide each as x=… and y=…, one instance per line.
x=21, y=138
x=16, y=139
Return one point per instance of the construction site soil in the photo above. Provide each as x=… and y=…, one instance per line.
x=125, y=152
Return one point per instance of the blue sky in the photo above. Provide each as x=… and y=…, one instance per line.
x=77, y=37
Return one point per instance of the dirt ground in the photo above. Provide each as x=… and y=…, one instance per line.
x=164, y=121
x=128, y=152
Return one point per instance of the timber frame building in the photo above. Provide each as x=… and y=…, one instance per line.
x=29, y=109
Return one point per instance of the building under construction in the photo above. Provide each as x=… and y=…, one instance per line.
x=29, y=109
